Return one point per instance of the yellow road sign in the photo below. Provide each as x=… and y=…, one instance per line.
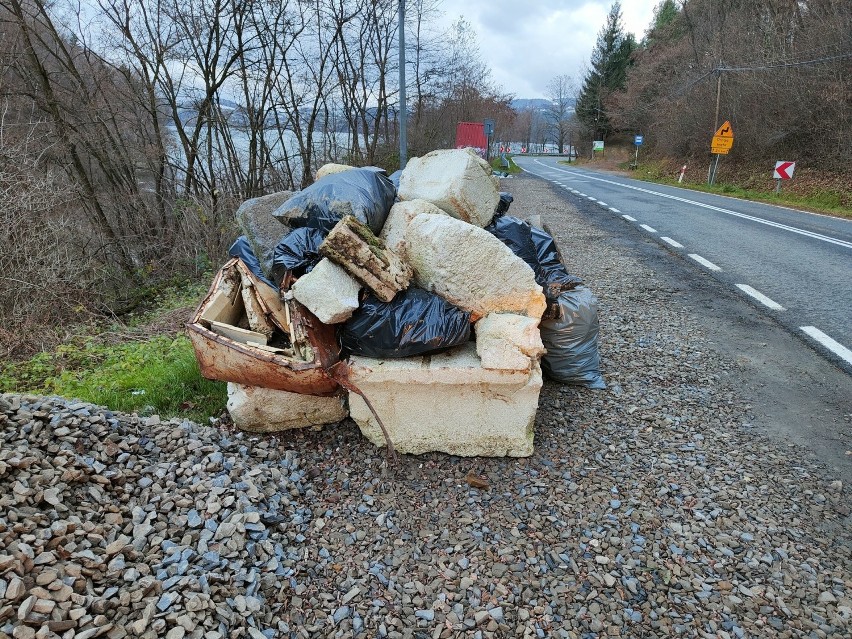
x=721, y=145
x=725, y=131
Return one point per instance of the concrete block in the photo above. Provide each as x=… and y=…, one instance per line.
x=263, y=231
x=328, y=292
x=471, y=268
x=447, y=403
x=508, y=342
x=400, y=216
x=263, y=410
x=457, y=181
x=330, y=169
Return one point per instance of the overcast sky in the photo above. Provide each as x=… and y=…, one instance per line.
x=528, y=42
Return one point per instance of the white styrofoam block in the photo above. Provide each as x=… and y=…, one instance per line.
x=400, y=216
x=447, y=403
x=471, y=268
x=508, y=341
x=263, y=410
x=457, y=181
x=328, y=292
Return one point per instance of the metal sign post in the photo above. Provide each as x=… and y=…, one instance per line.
x=722, y=142
x=637, y=141
x=783, y=171
x=488, y=125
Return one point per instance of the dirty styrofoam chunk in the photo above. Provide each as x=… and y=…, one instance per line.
x=471, y=268
x=328, y=292
x=365, y=257
x=331, y=168
x=263, y=410
x=507, y=341
x=447, y=403
x=262, y=230
x=457, y=181
x=400, y=216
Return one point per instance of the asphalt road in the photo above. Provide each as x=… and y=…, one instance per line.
x=794, y=265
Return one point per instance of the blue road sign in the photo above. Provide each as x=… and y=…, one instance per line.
x=638, y=140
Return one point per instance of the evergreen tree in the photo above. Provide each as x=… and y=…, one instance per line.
x=608, y=73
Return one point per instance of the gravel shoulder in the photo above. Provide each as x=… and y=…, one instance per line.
x=662, y=506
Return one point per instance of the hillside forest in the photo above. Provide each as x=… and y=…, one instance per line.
x=130, y=130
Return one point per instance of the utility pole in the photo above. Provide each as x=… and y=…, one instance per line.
x=711, y=172
x=403, y=109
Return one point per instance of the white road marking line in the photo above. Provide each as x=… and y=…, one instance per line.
x=669, y=240
x=778, y=225
x=614, y=210
x=704, y=262
x=648, y=228
x=760, y=297
x=628, y=218
x=590, y=198
x=602, y=203
x=835, y=347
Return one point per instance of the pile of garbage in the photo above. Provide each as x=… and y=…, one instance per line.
x=416, y=305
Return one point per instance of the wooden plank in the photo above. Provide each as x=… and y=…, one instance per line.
x=222, y=309
x=237, y=334
x=255, y=310
x=365, y=257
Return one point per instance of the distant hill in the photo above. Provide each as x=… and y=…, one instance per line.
x=538, y=104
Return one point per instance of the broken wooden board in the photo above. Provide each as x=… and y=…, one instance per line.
x=227, y=359
x=354, y=247
x=257, y=317
x=237, y=334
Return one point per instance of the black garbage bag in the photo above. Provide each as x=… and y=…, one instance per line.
x=415, y=322
x=551, y=270
x=394, y=178
x=298, y=252
x=365, y=193
x=506, y=199
x=517, y=235
x=571, y=340
x=241, y=248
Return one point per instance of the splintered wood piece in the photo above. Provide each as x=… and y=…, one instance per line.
x=255, y=311
x=237, y=334
x=354, y=247
x=476, y=481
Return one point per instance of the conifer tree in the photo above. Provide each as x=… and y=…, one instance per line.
x=609, y=63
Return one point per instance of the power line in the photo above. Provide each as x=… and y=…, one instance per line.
x=685, y=88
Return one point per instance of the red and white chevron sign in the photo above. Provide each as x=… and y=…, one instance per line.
x=784, y=170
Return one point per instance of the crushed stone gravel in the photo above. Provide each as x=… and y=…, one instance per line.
x=650, y=509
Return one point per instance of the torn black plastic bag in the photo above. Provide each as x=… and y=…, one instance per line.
x=571, y=340
x=297, y=252
x=241, y=248
x=517, y=235
x=551, y=270
x=415, y=322
x=506, y=199
x=365, y=193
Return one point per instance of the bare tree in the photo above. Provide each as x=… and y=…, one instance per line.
x=561, y=91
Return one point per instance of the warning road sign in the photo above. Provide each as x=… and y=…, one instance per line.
x=723, y=140
x=725, y=131
x=784, y=170
x=721, y=145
